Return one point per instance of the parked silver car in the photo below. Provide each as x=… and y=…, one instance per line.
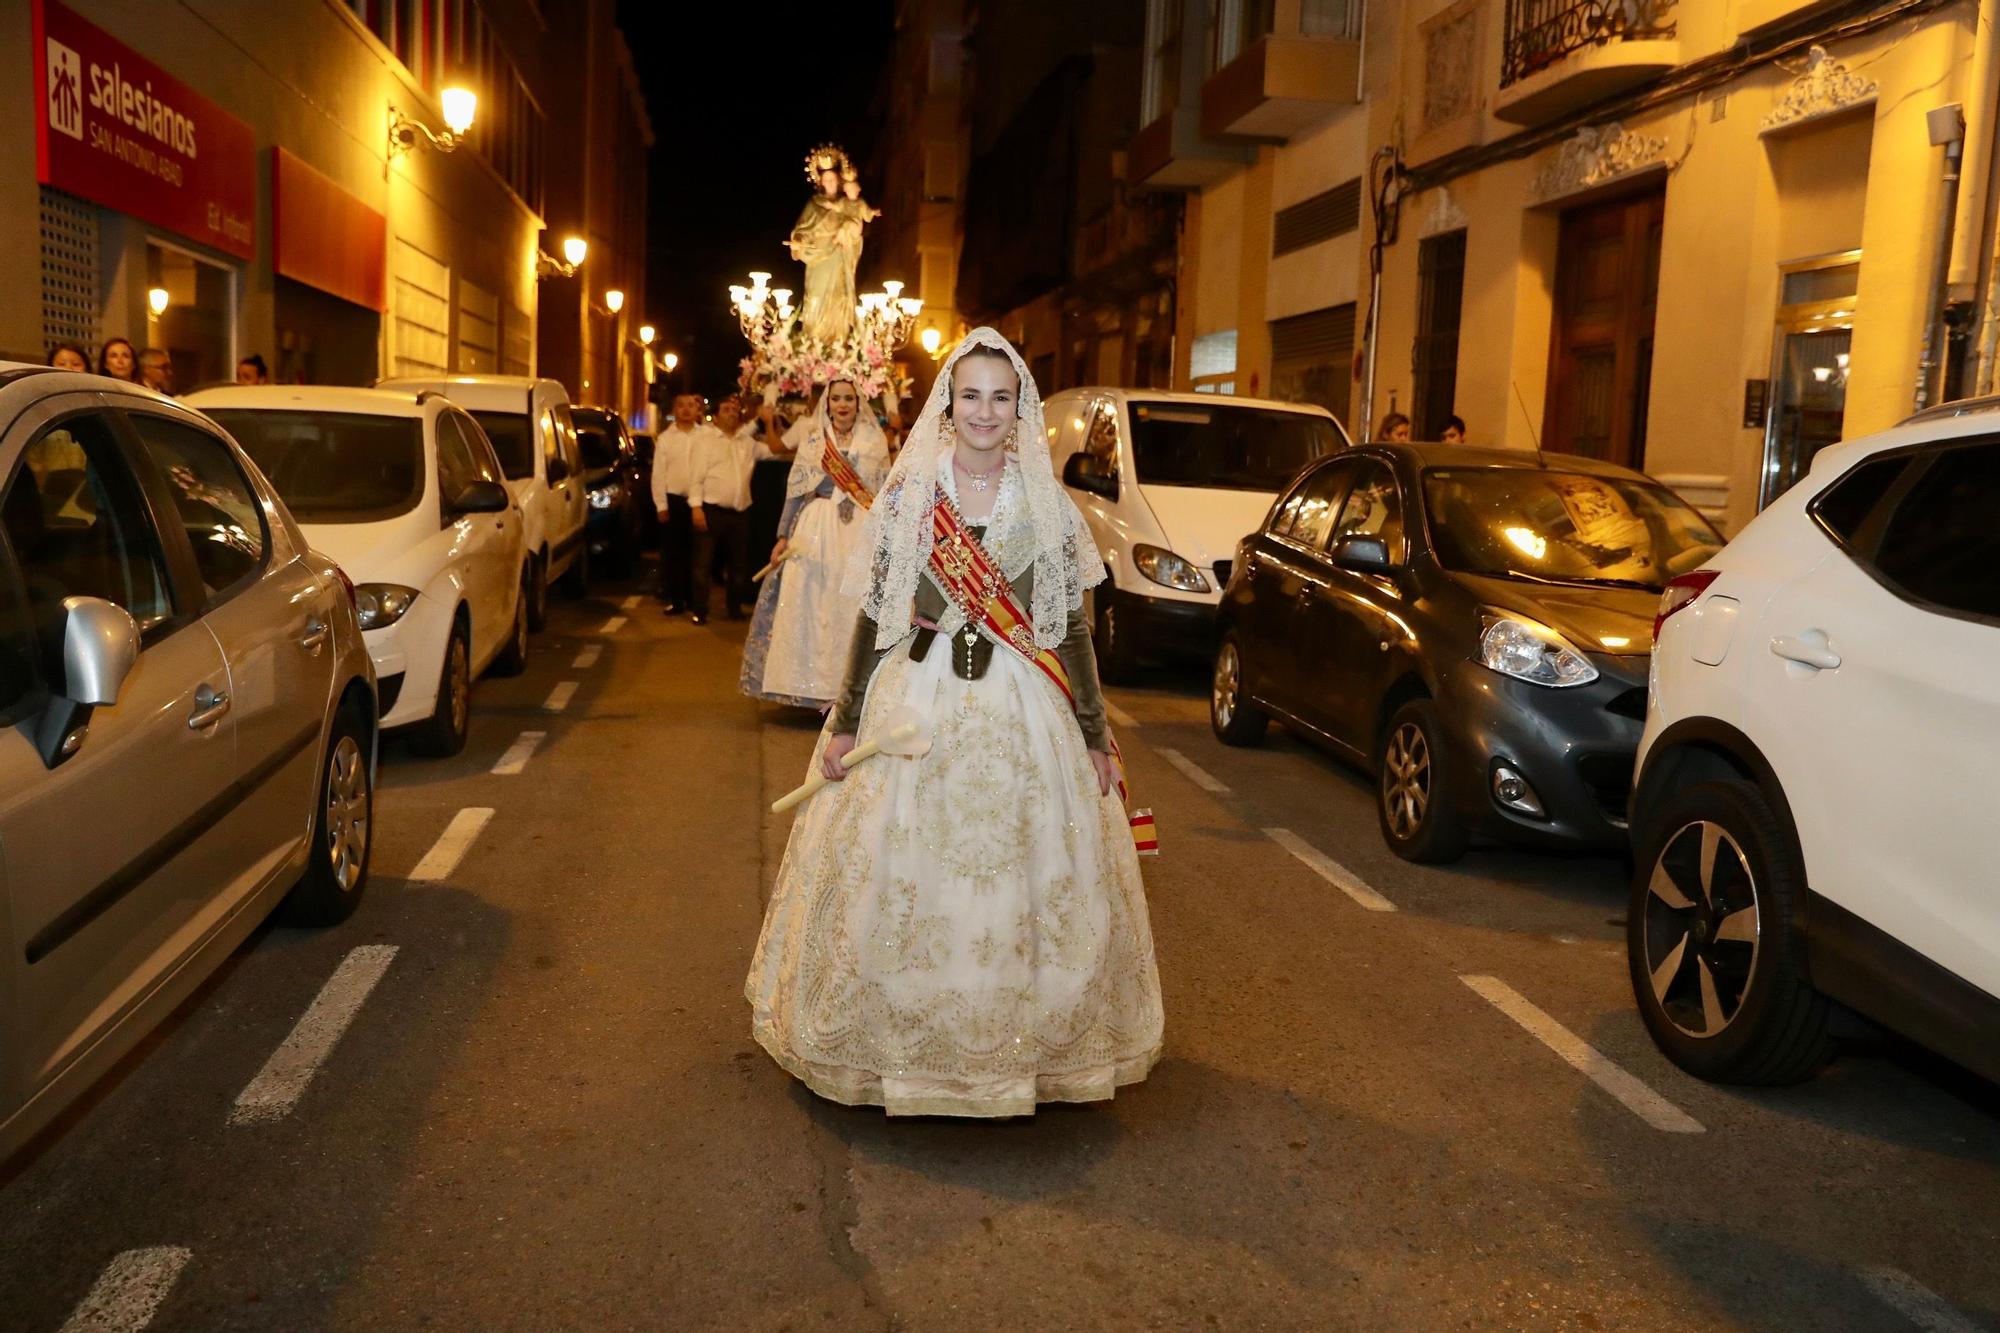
x=187, y=724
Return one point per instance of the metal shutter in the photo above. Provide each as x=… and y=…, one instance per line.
x=1320, y=335
x=423, y=312
x=1328, y=214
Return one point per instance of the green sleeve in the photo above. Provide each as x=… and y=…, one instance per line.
x=862, y=659
x=1081, y=664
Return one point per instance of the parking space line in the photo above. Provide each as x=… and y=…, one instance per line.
x=1586, y=1059
x=559, y=697
x=630, y=603
x=1190, y=770
x=129, y=1290
x=1914, y=1301
x=1330, y=870
x=612, y=626
x=283, y=1079
x=518, y=754
x=452, y=844
x=587, y=659
x=1120, y=717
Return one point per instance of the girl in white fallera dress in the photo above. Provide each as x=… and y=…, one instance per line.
x=796, y=651
x=964, y=932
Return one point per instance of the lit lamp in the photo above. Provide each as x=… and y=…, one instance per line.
x=671, y=360
x=614, y=300
x=931, y=339
x=156, y=300
x=574, y=249
x=458, y=103
x=645, y=335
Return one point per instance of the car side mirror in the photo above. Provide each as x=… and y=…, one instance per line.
x=99, y=649
x=481, y=497
x=1362, y=555
x=1085, y=473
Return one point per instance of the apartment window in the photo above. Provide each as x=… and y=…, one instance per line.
x=1163, y=58
x=1328, y=214
x=1440, y=299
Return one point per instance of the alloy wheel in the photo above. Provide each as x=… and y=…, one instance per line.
x=1701, y=929
x=347, y=812
x=1228, y=684
x=1406, y=780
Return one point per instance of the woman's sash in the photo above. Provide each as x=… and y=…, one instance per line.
x=844, y=476
x=976, y=585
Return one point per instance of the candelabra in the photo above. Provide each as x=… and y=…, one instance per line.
x=763, y=312
x=785, y=358
x=884, y=319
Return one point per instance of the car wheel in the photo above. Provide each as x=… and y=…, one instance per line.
x=443, y=733
x=538, y=594
x=1712, y=935
x=343, y=821
x=576, y=579
x=513, y=659
x=1235, y=719
x=1111, y=638
x=1410, y=792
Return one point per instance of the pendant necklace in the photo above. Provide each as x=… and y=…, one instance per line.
x=980, y=481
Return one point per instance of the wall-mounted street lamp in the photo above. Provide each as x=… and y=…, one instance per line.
x=646, y=335
x=574, y=249
x=671, y=360
x=458, y=103
x=156, y=300
x=930, y=340
x=614, y=300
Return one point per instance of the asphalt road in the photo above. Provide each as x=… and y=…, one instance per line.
x=518, y=1090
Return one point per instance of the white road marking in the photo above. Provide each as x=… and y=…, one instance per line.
x=1190, y=770
x=1120, y=717
x=1586, y=1059
x=1914, y=1301
x=1330, y=870
x=129, y=1290
x=587, y=659
x=518, y=754
x=452, y=844
x=612, y=626
x=559, y=697
x=630, y=603
x=279, y=1084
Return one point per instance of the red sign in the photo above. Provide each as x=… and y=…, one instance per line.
x=323, y=236
x=120, y=131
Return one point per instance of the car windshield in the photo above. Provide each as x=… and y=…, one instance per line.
x=598, y=445
x=1564, y=527
x=334, y=467
x=1223, y=447
x=513, y=439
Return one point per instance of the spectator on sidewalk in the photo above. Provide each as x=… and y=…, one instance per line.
x=156, y=370
x=672, y=451
x=719, y=464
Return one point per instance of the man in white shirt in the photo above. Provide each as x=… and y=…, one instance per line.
x=719, y=463
x=672, y=450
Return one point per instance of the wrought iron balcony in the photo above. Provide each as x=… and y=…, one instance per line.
x=1540, y=33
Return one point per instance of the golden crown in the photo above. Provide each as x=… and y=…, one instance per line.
x=828, y=157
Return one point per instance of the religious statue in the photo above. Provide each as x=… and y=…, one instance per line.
x=827, y=240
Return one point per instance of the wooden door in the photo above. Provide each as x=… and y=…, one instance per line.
x=1601, y=348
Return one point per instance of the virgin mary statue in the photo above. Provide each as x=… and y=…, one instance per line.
x=827, y=240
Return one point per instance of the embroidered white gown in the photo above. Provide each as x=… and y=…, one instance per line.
x=814, y=620
x=963, y=933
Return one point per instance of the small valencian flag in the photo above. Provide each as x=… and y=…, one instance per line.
x=1145, y=839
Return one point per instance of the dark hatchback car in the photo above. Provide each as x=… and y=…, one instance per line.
x=619, y=491
x=1472, y=624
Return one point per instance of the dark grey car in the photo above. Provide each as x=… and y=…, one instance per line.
x=1471, y=624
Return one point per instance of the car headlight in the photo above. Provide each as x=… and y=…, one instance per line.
x=379, y=605
x=606, y=496
x=1168, y=570
x=1520, y=648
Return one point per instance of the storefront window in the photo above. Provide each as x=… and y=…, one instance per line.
x=191, y=315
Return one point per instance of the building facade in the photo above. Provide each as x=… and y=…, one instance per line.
x=1702, y=238
x=597, y=189
x=1253, y=111
x=233, y=183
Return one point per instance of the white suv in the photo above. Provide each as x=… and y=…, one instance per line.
x=1816, y=785
x=1169, y=483
x=404, y=492
x=528, y=421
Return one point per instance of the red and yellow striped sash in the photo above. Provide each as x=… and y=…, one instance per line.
x=844, y=476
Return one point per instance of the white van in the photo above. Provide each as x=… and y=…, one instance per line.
x=528, y=421
x=1168, y=483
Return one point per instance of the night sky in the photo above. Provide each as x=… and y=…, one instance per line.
x=738, y=94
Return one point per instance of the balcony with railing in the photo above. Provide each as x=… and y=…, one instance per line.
x=1279, y=66
x=1558, y=55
